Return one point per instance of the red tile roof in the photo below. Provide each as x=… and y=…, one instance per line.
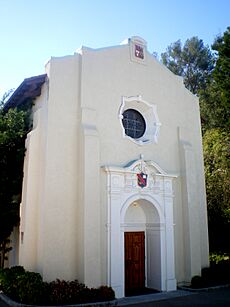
x=30, y=88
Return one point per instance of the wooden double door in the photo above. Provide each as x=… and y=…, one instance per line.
x=134, y=261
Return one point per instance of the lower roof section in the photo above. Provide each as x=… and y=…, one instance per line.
x=30, y=88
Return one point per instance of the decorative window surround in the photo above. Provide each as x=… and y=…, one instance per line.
x=149, y=112
x=156, y=201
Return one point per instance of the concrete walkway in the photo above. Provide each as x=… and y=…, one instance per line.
x=142, y=299
x=210, y=297
x=217, y=297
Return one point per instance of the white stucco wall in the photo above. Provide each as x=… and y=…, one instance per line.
x=77, y=131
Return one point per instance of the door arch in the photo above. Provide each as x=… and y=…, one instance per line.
x=142, y=217
x=156, y=208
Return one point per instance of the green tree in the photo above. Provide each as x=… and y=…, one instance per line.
x=211, y=110
x=207, y=74
x=194, y=62
x=216, y=145
x=13, y=130
x=221, y=73
x=215, y=102
x=215, y=99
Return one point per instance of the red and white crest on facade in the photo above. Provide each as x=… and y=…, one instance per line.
x=142, y=179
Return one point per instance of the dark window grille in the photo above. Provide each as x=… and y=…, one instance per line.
x=134, y=123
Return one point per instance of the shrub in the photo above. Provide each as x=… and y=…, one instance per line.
x=206, y=273
x=73, y=292
x=106, y=293
x=30, y=288
x=218, y=273
x=197, y=282
x=61, y=292
x=9, y=280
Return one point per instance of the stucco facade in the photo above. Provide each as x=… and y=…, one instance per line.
x=81, y=192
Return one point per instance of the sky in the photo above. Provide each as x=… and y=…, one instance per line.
x=31, y=31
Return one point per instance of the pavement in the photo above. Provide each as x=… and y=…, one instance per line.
x=210, y=297
x=181, y=298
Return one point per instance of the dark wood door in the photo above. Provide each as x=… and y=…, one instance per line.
x=134, y=261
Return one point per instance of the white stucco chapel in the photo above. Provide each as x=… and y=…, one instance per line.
x=113, y=189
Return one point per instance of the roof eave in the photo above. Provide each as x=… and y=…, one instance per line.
x=30, y=88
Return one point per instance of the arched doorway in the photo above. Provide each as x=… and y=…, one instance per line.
x=142, y=247
x=146, y=209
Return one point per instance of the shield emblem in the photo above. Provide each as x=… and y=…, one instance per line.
x=142, y=179
x=139, y=52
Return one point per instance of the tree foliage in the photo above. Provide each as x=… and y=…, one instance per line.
x=216, y=145
x=211, y=110
x=13, y=129
x=207, y=74
x=215, y=99
x=216, y=107
x=221, y=73
x=193, y=61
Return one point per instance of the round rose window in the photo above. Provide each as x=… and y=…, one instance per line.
x=133, y=123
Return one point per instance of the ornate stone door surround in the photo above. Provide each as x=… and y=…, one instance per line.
x=122, y=191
